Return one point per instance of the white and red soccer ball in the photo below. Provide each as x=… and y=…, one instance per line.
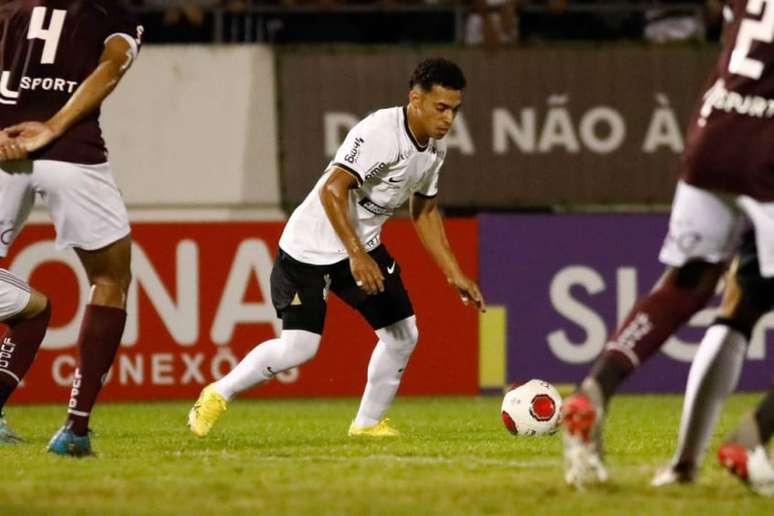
x=532, y=408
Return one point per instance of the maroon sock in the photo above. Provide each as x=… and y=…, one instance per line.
x=650, y=323
x=18, y=349
x=98, y=342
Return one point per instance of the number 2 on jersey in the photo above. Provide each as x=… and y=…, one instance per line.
x=750, y=31
x=50, y=35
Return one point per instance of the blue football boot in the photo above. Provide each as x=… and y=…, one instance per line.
x=7, y=436
x=65, y=442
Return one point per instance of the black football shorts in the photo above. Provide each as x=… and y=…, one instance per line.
x=299, y=292
x=758, y=290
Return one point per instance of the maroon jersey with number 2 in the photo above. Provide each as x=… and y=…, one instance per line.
x=47, y=49
x=730, y=142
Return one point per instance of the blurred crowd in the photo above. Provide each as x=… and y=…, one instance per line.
x=490, y=23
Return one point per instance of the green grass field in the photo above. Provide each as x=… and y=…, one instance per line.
x=293, y=457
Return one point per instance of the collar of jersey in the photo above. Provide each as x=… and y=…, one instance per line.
x=410, y=134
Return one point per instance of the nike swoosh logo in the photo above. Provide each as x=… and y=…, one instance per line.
x=394, y=180
x=391, y=268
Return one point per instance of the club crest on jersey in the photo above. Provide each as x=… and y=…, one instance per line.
x=327, y=287
x=352, y=155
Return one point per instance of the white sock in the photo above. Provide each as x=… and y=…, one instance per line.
x=713, y=377
x=291, y=349
x=389, y=359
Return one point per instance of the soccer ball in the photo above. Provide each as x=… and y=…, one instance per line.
x=532, y=409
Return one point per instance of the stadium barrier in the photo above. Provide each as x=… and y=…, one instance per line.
x=200, y=301
x=539, y=127
x=557, y=287
x=195, y=126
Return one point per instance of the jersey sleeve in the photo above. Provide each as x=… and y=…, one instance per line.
x=366, y=148
x=121, y=23
x=428, y=187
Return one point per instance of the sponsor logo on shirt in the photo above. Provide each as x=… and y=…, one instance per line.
x=7, y=95
x=375, y=170
x=718, y=97
x=48, y=84
x=352, y=155
x=374, y=208
x=11, y=97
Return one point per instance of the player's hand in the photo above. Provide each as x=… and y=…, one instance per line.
x=31, y=136
x=468, y=291
x=366, y=272
x=10, y=149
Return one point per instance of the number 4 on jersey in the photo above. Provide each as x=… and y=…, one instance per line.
x=50, y=35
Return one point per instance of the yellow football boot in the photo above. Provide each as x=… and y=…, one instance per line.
x=206, y=411
x=381, y=429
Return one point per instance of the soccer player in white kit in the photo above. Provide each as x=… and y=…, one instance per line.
x=332, y=243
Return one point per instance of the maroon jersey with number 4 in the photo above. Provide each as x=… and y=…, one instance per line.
x=730, y=141
x=47, y=49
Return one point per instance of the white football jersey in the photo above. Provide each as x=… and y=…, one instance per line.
x=389, y=166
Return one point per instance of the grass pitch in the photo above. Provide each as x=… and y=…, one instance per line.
x=294, y=457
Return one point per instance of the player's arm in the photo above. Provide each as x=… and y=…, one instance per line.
x=429, y=226
x=334, y=196
x=31, y=136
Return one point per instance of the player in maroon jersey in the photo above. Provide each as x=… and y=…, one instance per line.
x=59, y=59
x=726, y=187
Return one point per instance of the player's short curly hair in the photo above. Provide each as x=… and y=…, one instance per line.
x=437, y=71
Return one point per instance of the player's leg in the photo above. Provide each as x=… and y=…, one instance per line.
x=104, y=319
x=679, y=295
x=299, y=295
x=291, y=349
x=704, y=231
x=26, y=312
x=89, y=216
x=744, y=453
x=391, y=316
x=717, y=364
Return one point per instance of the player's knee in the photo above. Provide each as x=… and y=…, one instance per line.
x=697, y=275
x=692, y=284
x=114, y=281
x=300, y=345
x=402, y=335
x=38, y=304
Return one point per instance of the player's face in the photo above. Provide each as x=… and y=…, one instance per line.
x=436, y=109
